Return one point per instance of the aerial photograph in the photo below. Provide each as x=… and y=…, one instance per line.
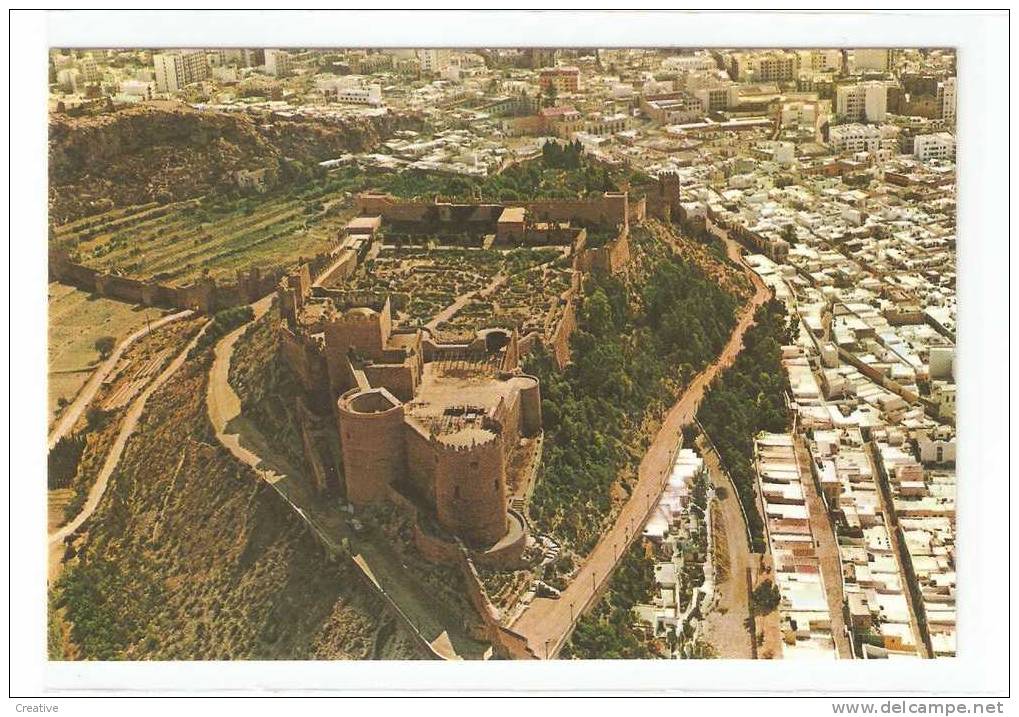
x=536, y=353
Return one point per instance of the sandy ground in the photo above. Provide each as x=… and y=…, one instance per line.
x=725, y=626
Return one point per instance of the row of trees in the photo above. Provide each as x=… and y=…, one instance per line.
x=747, y=399
x=608, y=632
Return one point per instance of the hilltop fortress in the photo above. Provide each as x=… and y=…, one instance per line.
x=441, y=428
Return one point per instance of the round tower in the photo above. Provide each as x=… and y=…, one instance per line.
x=371, y=425
x=470, y=483
x=530, y=405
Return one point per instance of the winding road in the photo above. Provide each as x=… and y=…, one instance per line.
x=547, y=623
x=84, y=398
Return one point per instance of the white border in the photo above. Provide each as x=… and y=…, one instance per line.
x=983, y=290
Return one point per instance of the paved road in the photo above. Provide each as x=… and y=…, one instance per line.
x=81, y=402
x=547, y=623
x=127, y=429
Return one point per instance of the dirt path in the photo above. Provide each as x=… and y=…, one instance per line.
x=81, y=402
x=127, y=429
x=462, y=301
x=547, y=623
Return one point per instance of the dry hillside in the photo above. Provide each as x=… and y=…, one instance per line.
x=190, y=556
x=167, y=152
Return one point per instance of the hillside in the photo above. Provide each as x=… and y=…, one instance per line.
x=167, y=152
x=190, y=556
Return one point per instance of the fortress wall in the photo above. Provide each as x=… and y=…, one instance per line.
x=399, y=379
x=119, y=287
x=611, y=258
x=507, y=413
x=530, y=409
x=303, y=359
x=505, y=641
x=342, y=269
x=610, y=208
x=421, y=463
x=470, y=491
x=560, y=341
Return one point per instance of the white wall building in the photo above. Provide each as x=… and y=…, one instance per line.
x=278, y=63
x=934, y=146
x=854, y=138
x=863, y=102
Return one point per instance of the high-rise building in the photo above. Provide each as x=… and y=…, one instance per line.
x=764, y=66
x=89, y=68
x=863, y=102
x=178, y=68
x=946, y=99
x=278, y=63
x=566, y=80
x=433, y=59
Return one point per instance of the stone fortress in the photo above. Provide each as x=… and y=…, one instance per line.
x=441, y=429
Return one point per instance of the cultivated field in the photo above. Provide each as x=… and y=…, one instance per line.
x=178, y=243
x=76, y=320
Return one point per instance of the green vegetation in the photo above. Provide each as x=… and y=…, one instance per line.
x=766, y=598
x=217, y=235
x=223, y=323
x=609, y=631
x=635, y=347
x=62, y=461
x=747, y=399
x=562, y=174
x=104, y=345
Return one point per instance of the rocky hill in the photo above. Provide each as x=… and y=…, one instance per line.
x=167, y=152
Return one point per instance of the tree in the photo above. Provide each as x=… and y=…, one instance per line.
x=766, y=598
x=104, y=345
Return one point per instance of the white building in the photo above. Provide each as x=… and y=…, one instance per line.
x=278, y=63
x=863, y=102
x=934, y=146
x=178, y=68
x=854, y=138
x=138, y=88
x=433, y=59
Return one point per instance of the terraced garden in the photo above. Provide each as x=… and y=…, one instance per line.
x=528, y=301
x=214, y=236
x=423, y=282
